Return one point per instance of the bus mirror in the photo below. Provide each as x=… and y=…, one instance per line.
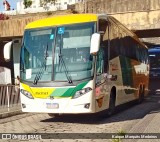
x=95, y=43
x=7, y=51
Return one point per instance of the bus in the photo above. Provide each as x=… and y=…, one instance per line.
x=154, y=56
x=81, y=63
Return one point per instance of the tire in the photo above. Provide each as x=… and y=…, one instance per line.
x=111, y=109
x=141, y=95
x=53, y=115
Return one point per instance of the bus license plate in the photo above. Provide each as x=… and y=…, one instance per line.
x=52, y=105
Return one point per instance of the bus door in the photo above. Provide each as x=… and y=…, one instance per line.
x=102, y=61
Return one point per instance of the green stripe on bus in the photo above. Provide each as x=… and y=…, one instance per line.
x=67, y=92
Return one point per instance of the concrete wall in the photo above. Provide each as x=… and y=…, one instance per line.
x=140, y=20
x=117, y=6
x=135, y=14
x=14, y=26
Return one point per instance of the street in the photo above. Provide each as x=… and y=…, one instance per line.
x=124, y=120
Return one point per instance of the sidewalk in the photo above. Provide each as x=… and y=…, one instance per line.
x=149, y=124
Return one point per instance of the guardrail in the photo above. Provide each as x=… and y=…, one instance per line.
x=9, y=98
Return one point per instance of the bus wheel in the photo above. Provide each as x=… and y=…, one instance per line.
x=112, y=101
x=141, y=95
x=53, y=115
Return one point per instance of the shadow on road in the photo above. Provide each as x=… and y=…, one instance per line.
x=123, y=113
x=154, y=84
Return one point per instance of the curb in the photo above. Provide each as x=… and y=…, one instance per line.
x=8, y=114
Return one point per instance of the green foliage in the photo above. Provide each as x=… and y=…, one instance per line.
x=116, y=140
x=27, y=3
x=49, y=13
x=120, y=133
x=44, y=2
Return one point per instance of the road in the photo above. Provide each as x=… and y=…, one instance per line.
x=154, y=84
x=124, y=120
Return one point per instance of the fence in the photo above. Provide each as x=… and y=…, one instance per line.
x=9, y=98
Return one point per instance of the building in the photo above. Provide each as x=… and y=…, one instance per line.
x=59, y=5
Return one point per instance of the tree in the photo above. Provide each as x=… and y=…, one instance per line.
x=44, y=2
x=27, y=3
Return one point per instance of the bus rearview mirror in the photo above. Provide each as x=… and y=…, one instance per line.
x=95, y=43
x=7, y=51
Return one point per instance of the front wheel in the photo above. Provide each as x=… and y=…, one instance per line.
x=53, y=115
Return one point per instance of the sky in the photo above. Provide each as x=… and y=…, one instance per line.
x=13, y=4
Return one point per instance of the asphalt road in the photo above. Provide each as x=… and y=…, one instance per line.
x=154, y=84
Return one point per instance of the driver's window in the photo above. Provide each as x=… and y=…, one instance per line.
x=100, y=62
x=103, y=55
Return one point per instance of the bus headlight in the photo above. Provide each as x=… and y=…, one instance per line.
x=26, y=93
x=81, y=92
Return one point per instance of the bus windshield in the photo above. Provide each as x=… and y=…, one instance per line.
x=57, y=54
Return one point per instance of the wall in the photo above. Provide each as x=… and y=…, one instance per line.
x=14, y=27
x=135, y=14
x=117, y=6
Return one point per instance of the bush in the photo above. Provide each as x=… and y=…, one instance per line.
x=3, y=16
x=27, y=3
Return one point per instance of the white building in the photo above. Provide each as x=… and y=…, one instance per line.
x=35, y=3
x=69, y=2
x=36, y=6
x=58, y=3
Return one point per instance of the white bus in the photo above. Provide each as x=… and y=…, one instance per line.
x=81, y=63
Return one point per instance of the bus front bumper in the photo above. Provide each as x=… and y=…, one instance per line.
x=83, y=104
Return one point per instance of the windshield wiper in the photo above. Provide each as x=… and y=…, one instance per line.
x=39, y=74
x=61, y=60
x=42, y=69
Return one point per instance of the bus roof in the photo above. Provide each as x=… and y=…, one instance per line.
x=129, y=32
x=62, y=20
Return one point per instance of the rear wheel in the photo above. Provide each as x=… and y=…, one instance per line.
x=141, y=95
x=112, y=101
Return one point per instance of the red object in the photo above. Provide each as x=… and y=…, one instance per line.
x=7, y=4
